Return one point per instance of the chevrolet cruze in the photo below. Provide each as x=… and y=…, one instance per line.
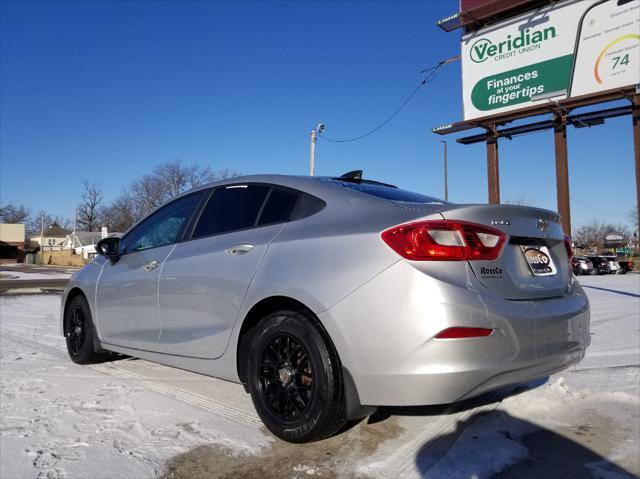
x=330, y=296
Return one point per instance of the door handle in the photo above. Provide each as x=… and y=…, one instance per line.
x=151, y=266
x=240, y=249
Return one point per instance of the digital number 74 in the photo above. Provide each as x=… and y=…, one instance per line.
x=624, y=60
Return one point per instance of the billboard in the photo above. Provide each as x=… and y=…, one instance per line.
x=574, y=47
x=608, y=48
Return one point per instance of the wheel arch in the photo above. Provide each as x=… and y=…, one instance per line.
x=73, y=292
x=258, y=311
x=71, y=295
x=271, y=304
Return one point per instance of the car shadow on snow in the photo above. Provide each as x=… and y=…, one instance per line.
x=624, y=293
x=492, y=397
x=494, y=444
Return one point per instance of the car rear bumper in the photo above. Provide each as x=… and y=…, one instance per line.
x=399, y=362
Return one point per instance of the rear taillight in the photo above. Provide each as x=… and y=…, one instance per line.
x=464, y=332
x=567, y=245
x=445, y=240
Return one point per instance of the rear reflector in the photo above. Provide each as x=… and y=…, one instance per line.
x=461, y=332
x=567, y=245
x=445, y=240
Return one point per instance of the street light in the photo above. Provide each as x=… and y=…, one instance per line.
x=446, y=186
x=312, y=149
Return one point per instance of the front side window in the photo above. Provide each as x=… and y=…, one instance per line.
x=164, y=226
x=231, y=208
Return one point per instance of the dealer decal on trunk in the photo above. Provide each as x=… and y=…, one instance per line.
x=539, y=260
x=491, y=272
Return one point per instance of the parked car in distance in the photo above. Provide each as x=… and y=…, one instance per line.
x=600, y=264
x=328, y=297
x=614, y=266
x=626, y=265
x=581, y=265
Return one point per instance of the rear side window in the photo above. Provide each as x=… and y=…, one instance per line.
x=307, y=206
x=279, y=206
x=231, y=208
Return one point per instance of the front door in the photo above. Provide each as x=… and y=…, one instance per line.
x=127, y=290
x=127, y=299
x=205, y=279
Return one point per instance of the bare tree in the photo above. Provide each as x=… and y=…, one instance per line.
x=120, y=215
x=145, y=194
x=206, y=175
x=88, y=209
x=40, y=220
x=593, y=233
x=11, y=213
x=174, y=177
x=168, y=180
x=148, y=193
x=521, y=200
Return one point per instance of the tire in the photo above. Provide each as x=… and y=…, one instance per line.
x=595, y=272
x=78, y=332
x=295, y=378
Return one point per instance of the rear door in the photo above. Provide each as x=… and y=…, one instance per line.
x=205, y=279
x=534, y=262
x=127, y=291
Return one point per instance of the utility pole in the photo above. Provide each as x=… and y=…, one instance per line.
x=73, y=237
x=446, y=181
x=312, y=148
x=42, y=239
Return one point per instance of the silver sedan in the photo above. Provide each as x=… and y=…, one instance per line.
x=330, y=296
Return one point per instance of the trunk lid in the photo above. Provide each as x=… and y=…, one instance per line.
x=535, y=242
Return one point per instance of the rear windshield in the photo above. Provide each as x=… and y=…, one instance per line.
x=383, y=191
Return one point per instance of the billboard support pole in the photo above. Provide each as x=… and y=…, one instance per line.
x=562, y=169
x=635, y=115
x=493, y=167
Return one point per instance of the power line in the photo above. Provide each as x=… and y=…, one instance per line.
x=431, y=74
x=608, y=213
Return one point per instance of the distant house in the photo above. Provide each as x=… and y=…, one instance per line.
x=78, y=239
x=83, y=242
x=12, y=243
x=53, y=237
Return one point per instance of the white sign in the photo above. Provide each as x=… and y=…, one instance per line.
x=613, y=238
x=530, y=59
x=608, y=53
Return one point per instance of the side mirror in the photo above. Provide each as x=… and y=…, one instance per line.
x=109, y=247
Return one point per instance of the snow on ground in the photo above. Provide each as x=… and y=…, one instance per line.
x=21, y=275
x=126, y=418
x=605, y=384
x=60, y=420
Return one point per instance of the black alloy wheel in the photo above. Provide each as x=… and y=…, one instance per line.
x=295, y=377
x=78, y=331
x=286, y=377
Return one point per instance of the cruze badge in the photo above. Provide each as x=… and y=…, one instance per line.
x=501, y=222
x=543, y=225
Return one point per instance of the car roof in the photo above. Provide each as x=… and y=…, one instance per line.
x=314, y=185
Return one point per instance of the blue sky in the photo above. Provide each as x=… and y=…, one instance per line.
x=106, y=90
